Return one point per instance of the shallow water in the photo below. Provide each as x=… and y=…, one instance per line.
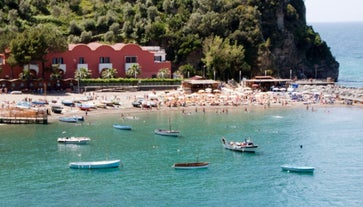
x=34, y=168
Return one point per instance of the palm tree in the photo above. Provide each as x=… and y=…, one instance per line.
x=163, y=73
x=133, y=71
x=25, y=75
x=56, y=73
x=82, y=73
x=109, y=73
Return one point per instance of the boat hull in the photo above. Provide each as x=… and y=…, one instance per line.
x=95, y=164
x=122, y=127
x=252, y=149
x=298, y=169
x=189, y=166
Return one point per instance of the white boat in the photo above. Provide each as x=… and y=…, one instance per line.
x=73, y=140
x=300, y=169
x=244, y=146
x=122, y=127
x=191, y=165
x=68, y=119
x=167, y=132
x=95, y=164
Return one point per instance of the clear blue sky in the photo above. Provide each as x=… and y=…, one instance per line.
x=334, y=10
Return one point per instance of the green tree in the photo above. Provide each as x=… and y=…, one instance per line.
x=133, y=71
x=222, y=58
x=35, y=43
x=12, y=63
x=187, y=70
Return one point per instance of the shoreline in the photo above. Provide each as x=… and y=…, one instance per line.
x=173, y=101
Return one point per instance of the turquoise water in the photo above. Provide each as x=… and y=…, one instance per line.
x=34, y=168
x=345, y=42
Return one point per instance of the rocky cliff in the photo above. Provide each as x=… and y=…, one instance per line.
x=295, y=48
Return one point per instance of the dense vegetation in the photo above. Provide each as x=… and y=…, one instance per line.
x=223, y=38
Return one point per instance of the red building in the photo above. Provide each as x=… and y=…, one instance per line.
x=95, y=57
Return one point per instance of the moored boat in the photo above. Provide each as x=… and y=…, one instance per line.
x=167, y=132
x=122, y=127
x=191, y=165
x=95, y=164
x=245, y=146
x=73, y=140
x=299, y=169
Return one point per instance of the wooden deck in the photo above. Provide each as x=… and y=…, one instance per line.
x=23, y=116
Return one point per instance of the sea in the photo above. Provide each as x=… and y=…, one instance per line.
x=34, y=168
x=346, y=45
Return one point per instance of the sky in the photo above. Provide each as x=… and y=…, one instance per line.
x=334, y=10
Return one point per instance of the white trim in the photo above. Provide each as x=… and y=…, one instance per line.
x=102, y=66
x=32, y=67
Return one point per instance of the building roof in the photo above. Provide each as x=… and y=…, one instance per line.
x=193, y=82
x=118, y=46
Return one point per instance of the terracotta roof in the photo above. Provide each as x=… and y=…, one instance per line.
x=95, y=45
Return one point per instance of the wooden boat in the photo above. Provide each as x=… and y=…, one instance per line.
x=167, y=132
x=299, y=169
x=122, y=127
x=191, y=165
x=244, y=146
x=95, y=164
x=73, y=140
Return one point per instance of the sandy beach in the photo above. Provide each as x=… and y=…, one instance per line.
x=226, y=99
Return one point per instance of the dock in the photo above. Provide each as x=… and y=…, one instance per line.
x=23, y=116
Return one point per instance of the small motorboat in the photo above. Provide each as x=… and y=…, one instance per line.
x=95, y=164
x=71, y=119
x=68, y=102
x=245, y=146
x=73, y=140
x=122, y=127
x=299, y=169
x=57, y=109
x=191, y=165
x=68, y=119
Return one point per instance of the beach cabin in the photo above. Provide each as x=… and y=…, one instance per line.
x=265, y=83
x=194, y=85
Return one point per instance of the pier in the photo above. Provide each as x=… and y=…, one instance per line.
x=23, y=116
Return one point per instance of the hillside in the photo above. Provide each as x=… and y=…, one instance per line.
x=225, y=37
